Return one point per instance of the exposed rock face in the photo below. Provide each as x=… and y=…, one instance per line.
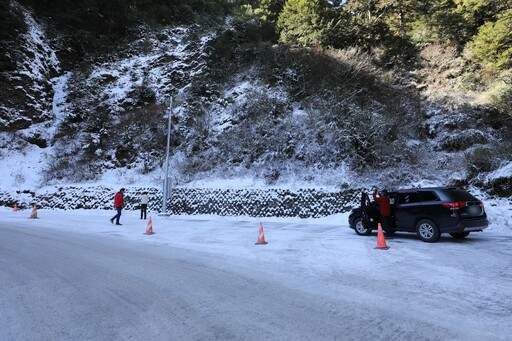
x=28, y=63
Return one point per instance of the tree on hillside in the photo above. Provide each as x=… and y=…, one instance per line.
x=269, y=10
x=493, y=44
x=454, y=21
x=303, y=22
x=479, y=12
x=370, y=28
x=399, y=15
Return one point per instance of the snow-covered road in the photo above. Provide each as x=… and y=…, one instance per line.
x=73, y=275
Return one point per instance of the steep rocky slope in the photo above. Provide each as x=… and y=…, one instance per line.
x=29, y=64
x=282, y=115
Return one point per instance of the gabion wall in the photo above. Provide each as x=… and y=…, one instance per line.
x=303, y=203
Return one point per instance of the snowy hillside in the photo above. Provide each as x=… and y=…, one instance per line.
x=244, y=115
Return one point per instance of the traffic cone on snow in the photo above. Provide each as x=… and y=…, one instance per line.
x=33, y=215
x=381, y=241
x=15, y=208
x=149, y=230
x=261, y=236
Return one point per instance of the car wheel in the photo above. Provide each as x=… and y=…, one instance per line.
x=459, y=235
x=428, y=231
x=360, y=228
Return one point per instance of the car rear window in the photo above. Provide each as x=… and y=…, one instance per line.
x=460, y=195
x=428, y=196
x=408, y=198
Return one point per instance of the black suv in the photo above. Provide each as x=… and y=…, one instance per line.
x=425, y=211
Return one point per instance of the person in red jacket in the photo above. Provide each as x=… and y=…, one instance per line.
x=118, y=205
x=385, y=210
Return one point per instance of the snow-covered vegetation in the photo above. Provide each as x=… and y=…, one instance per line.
x=294, y=115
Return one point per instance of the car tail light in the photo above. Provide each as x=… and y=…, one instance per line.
x=455, y=205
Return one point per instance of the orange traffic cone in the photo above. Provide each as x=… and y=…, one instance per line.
x=261, y=236
x=33, y=215
x=15, y=208
x=150, y=227
x=381, y=242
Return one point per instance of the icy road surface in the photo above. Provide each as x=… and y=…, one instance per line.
x=71, y=275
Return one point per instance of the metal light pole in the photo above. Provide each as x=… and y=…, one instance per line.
x=166, y=179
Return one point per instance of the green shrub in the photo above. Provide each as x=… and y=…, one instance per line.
x=501, y=97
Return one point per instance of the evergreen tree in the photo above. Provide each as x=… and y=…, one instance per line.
x=493, y=44
x=454, y=21
x=269, y=10
x=370, y=28
x=256, y=23
x=399, y=15
x=303, y=22
x=478, y=12
x=443, y=23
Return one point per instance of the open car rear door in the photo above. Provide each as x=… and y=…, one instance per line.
x=365, y=205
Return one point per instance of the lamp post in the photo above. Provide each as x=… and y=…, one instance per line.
x=166, y=178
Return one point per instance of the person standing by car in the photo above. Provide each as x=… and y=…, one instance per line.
x=118, y=205
x=143, y=205
x=385, y=210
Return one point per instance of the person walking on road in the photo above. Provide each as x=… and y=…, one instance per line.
x=385, y=210
x=143, y=205
x=118, y=205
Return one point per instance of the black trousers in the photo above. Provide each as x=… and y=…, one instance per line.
x=143, y=210
x=386, y=224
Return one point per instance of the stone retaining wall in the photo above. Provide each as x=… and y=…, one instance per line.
x=303, y=203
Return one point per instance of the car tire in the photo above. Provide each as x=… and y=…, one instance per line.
x=459, y=235
x=360, y=228
x=428, y=231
